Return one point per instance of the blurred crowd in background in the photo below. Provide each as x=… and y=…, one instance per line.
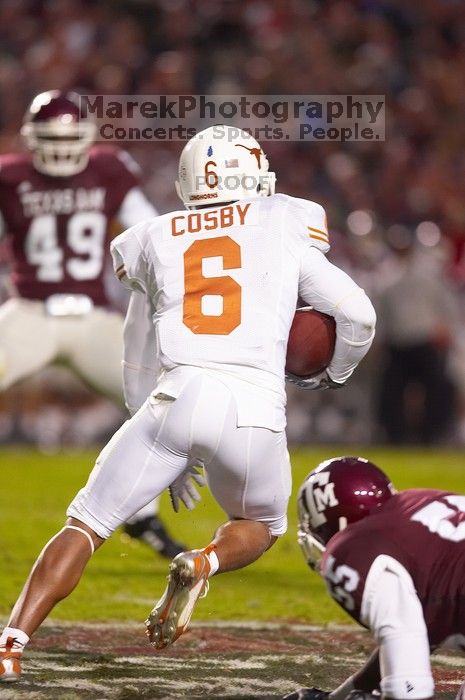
x=396, y=209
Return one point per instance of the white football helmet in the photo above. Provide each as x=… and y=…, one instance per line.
x=223, y=164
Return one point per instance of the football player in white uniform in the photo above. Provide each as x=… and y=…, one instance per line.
x=218, y=287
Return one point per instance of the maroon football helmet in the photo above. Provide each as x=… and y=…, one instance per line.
x=338, y=492
x=58, y=133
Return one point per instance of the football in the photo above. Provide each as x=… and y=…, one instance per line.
x=311, y=343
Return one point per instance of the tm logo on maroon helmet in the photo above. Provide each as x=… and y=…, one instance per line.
x=322, y=497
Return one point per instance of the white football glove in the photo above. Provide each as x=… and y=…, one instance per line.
x=320, y=381
x=183, y=489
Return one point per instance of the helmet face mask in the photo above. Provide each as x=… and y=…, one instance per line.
x=57, y=134
x=312, y=549
x=337, y=493
x=223, y=164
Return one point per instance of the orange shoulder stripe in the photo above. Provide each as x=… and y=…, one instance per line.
x=317, y=230
x=319, y=238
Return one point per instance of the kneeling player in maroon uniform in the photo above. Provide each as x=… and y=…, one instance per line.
x=395, y=562
x=56, y=206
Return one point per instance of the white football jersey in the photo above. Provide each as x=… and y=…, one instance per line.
x=224, y=282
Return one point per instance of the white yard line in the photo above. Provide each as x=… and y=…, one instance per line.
x=215, y=624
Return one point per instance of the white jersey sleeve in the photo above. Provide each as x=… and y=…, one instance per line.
x=140, y=359
x=392, y=611
x=129, y=261
x=331, y=291
x=135, y=208
x=310, y=223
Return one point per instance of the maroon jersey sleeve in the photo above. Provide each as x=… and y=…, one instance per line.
x=347, y=562
x=424, y=530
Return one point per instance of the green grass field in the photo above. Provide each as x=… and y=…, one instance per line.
x=218, y=657
x=125, y=578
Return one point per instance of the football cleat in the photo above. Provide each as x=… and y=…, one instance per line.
x=152, y=531
x=10, y=663
x=187, y=582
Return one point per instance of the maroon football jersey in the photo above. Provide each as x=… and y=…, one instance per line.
x=422, y=529
x=59, y=226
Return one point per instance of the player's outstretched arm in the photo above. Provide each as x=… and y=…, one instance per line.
x=331, y=291
x=366, y=680
x=394, y=615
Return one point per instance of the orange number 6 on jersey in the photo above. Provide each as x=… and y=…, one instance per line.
x=196, y=286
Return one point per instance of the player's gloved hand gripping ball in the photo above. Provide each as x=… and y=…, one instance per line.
x=310, y=348
x=321, y=381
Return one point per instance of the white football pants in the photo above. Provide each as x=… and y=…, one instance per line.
x=91, y=344
x=247, y=468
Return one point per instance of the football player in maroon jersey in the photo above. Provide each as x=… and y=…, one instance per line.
x=56, y=205
x=395, y=562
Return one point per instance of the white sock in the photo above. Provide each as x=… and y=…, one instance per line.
x=21, y=638
x=214, y=563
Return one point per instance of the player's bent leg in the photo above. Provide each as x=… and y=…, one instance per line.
x=250, y=477
x=248, y=472
x=236, y=544
x=239, y=543
x=96, y=357
x=136, y=465
x=53, y=577
x=131, y=469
